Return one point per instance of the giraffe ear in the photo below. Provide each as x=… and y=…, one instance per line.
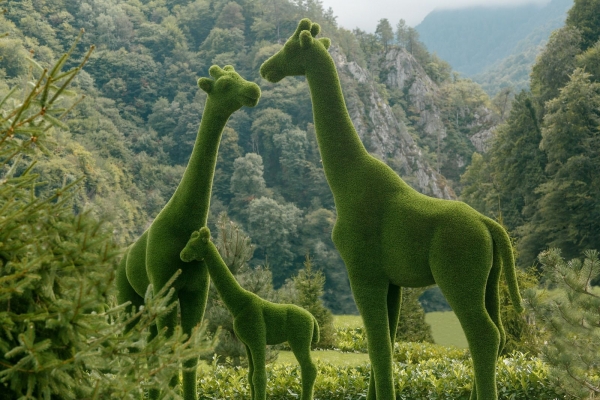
x=325, y=42
x=206, y=84
x=305, y=39
x=315, y=29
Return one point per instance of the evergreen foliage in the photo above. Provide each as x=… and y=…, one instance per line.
x=568, y=212
x=62, y=334
x=585, y=16
x=540, y=173
x=412, y=326
x=555, y=64
x=568, y=309
x=308, y=285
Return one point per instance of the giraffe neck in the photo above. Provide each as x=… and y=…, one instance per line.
x=342, y=152
x=233, y=295
x=188, y=207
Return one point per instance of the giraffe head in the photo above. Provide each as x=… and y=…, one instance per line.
x=229, y=89
x=197, y=247
x=298, y=51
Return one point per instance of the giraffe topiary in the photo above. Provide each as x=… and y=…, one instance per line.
x=258, y=322
x=391, y=236
x=154, y=257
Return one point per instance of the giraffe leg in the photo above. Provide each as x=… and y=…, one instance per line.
x=394, y=302
x=482, y=335
x=372, y=302
x=250, y=372
x=259, y=375
x=492, y=301
x=192, y=305
x=300, y=345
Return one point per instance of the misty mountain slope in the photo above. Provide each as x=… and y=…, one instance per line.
x=473, y=39
x=513, y=70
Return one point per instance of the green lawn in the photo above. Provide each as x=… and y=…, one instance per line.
x=445, y=327
x=329, y=356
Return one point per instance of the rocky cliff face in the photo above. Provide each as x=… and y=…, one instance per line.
x=382, y=133
x=407, y=75
x=452, y=118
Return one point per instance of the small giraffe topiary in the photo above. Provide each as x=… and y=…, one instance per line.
x=391, y=236
x=257, y=322
x=154, y=257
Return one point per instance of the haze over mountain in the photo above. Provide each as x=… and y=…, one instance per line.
x=476, y=38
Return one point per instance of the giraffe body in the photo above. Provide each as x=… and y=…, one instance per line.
x=154, y=257
x=258, y=322
x=390, y=236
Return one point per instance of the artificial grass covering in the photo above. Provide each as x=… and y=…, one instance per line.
x=154, y=257
x=390, y=236
x=257, y=322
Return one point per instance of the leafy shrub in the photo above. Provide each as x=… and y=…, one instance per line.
x=429, y=372
x=351, y=339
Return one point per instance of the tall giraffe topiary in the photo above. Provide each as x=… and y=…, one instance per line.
x=258, y=322
x=154, y=257
x=391, y=236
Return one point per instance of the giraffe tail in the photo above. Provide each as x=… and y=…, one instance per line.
x=503, y=254
x=316, y=335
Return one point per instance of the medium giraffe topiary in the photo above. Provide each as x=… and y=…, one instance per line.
x=258, y=322
x=391, y=236
x=154, y=257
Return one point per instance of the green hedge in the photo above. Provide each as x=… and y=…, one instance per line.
x=427, y=372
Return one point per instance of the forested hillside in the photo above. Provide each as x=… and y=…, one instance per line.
x=131, y=133
x=496, y=45
x=541, y=175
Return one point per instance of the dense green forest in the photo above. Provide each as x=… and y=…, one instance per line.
x=93, y=144
x=541, y=173
x=132, y=131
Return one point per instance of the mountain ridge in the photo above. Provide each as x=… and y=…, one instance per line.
x=475, y=38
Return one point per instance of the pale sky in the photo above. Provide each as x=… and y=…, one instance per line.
x=366, y=13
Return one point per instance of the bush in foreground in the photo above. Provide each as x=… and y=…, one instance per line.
x=427, y=372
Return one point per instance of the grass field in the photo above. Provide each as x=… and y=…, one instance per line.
x=445, y=328
x=329, y=356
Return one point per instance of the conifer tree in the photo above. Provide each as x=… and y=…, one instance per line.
x=412, y=326
x=585, y=16
x=569, y=311
x=62, y=334
x=308, y=285
x=568, y=215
